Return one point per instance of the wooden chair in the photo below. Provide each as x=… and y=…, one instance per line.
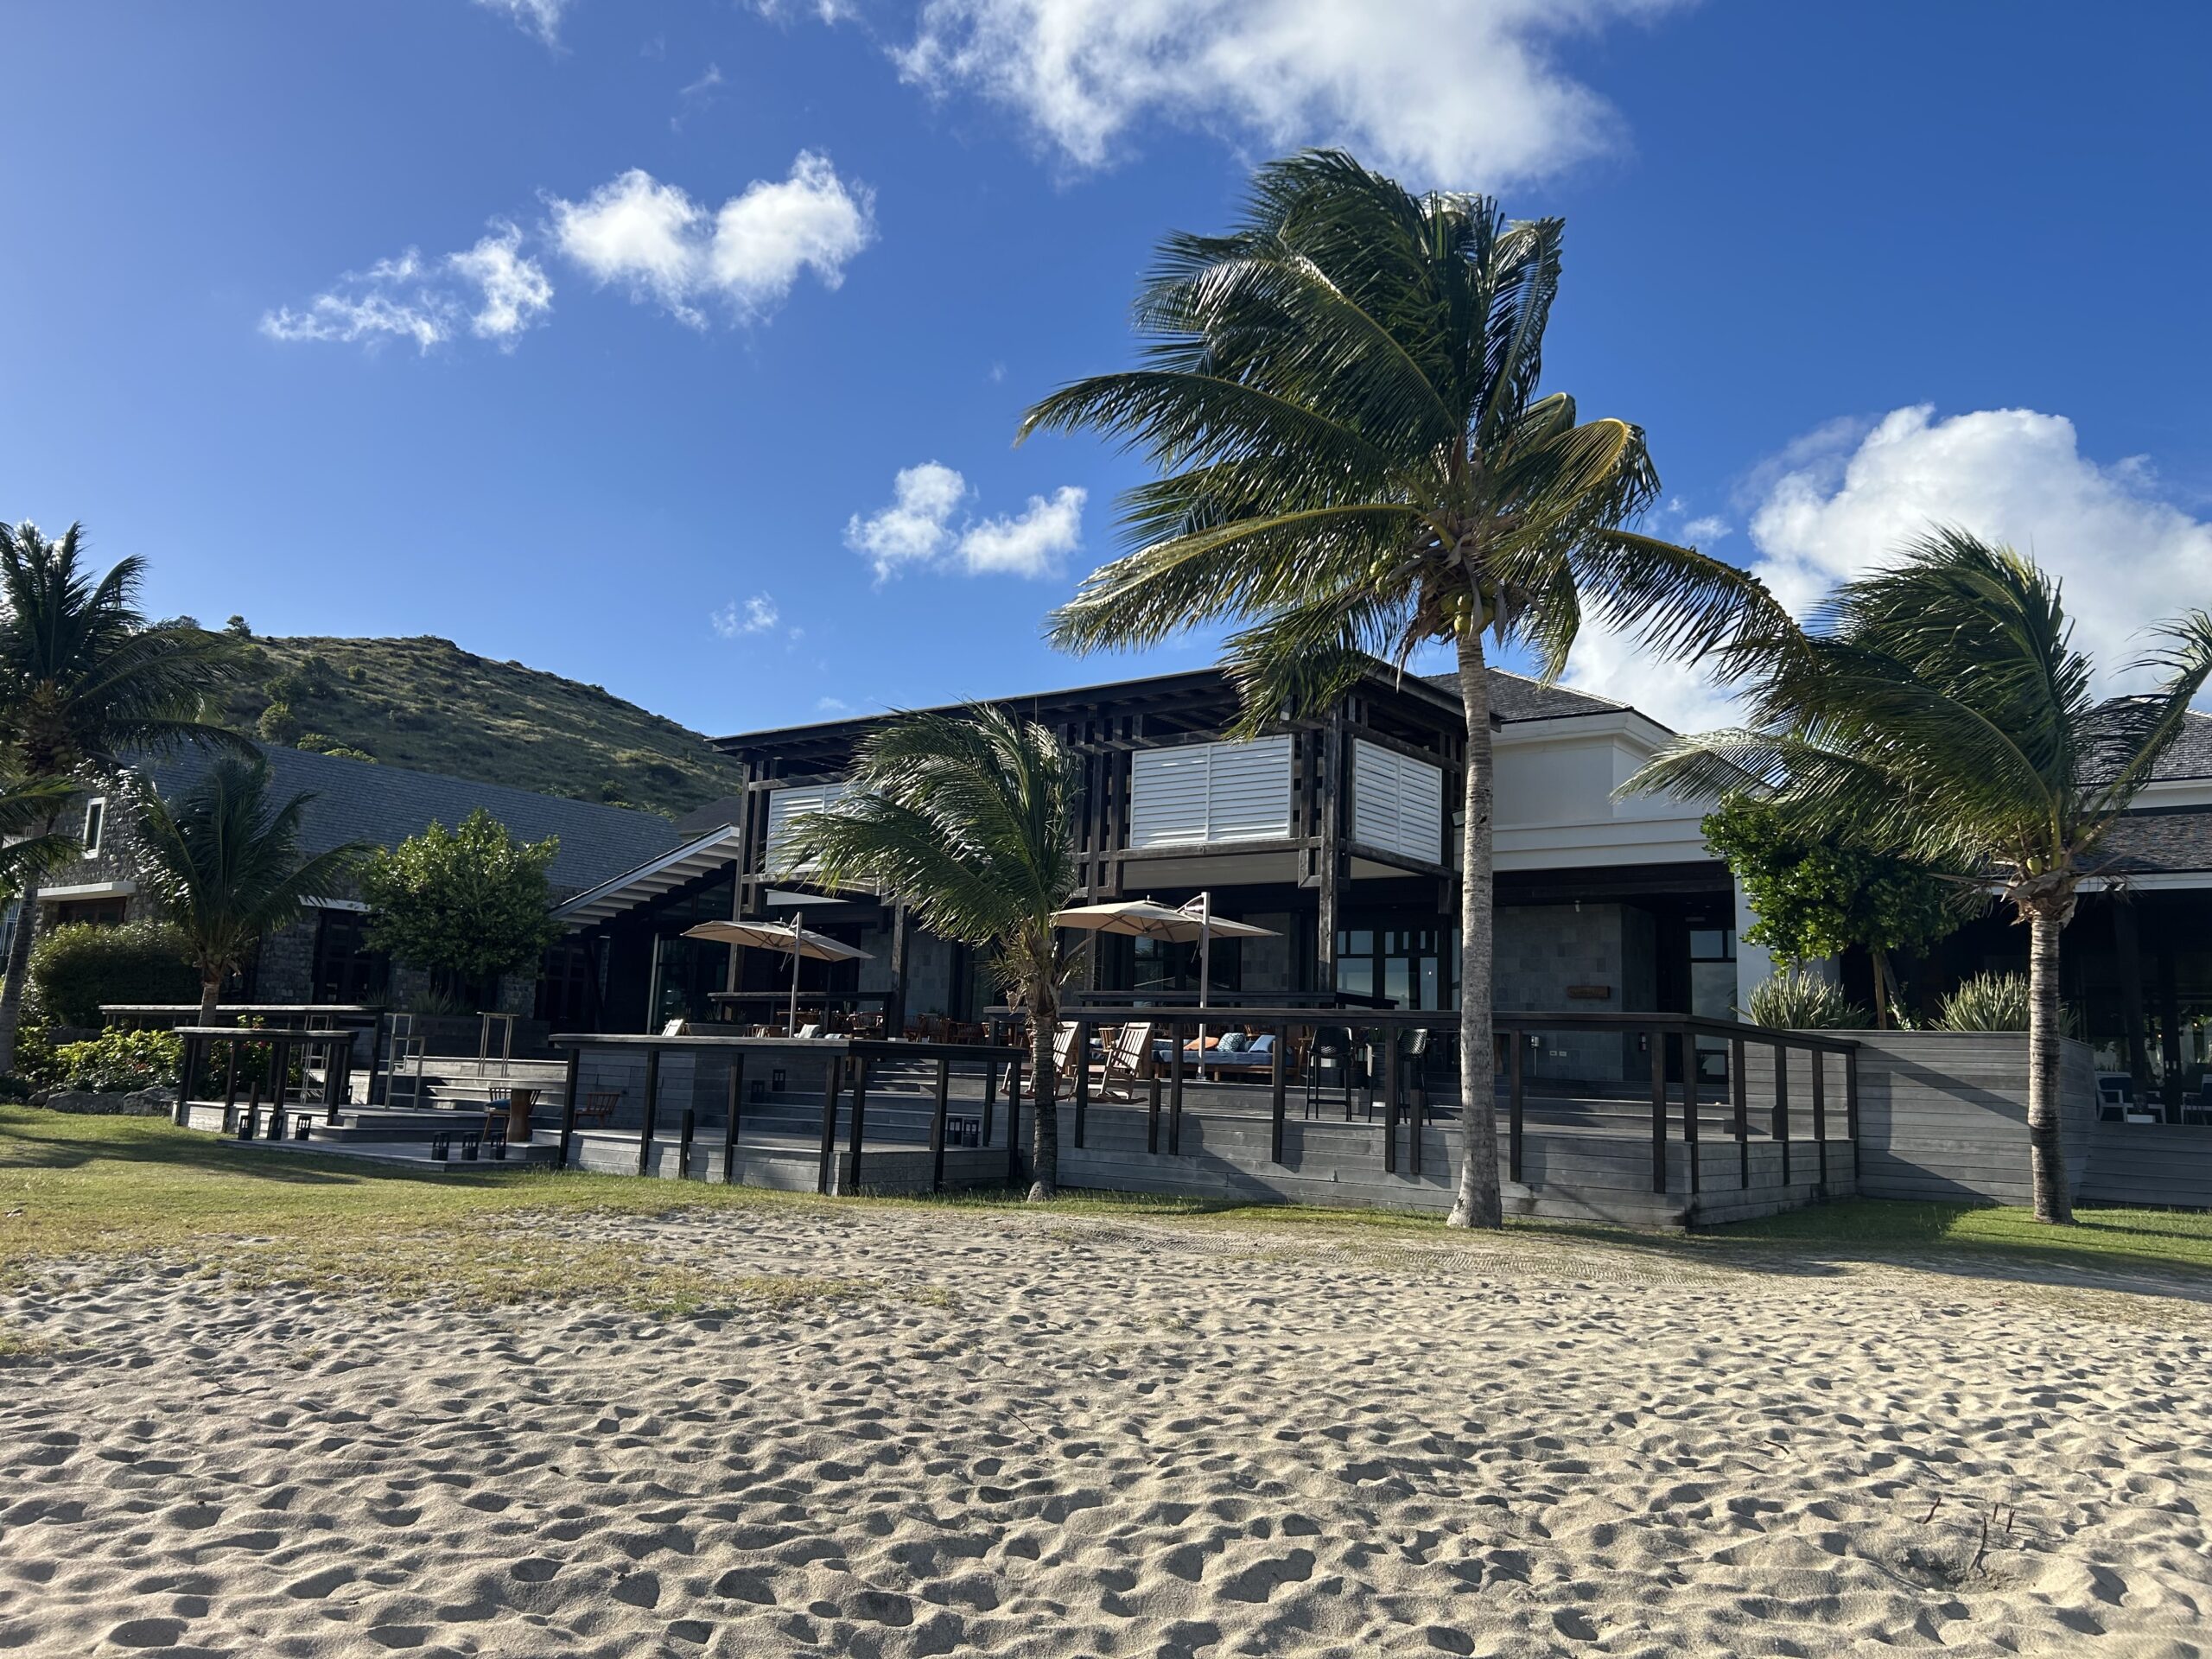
x=598, y=1107
x=1116, y=1076
x=1064, y=1056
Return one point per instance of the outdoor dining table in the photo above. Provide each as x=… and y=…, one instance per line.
x=520, y=1101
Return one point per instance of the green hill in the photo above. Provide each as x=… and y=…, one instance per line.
x=427, y=704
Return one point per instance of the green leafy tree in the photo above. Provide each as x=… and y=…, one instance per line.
x=464, y=905
x=971, y=818
x=1818, y=896
x=84, y=681
x=1341, y=398
x=224, y=863
x=1938, y=709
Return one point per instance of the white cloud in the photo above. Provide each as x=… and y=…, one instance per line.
x=538, y=17
x=916, y=528
x=758, y=615
x=390, y=300
x=1461, y=94
x=656, y=240
x=516, y=291
x=411, y=298
x=1842, y=501
x=1032, y=544
x=1703, y=532
x=832, y=706
x=917, y=525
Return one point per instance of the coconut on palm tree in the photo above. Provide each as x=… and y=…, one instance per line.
x=1938, y=709
x=84, y=681
x=1342, y=399
x=224, y=863
x=969, y=817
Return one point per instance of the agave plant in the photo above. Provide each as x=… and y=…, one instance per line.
x=1798, y=999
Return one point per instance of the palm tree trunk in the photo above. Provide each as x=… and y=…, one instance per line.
x=19, y=960
x=210, y=990
x=1477, y=1203
x=1880, y=959
x=1044, y=1133
x=2046, y=1153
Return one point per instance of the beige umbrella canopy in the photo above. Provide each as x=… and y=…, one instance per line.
x=791, y=937
x=1145, y=919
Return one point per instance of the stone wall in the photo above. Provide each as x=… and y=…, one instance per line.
x=1545, y=953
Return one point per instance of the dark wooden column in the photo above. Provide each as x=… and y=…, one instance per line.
x=894, y=1011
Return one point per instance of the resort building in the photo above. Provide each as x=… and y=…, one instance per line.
x=1340, y=835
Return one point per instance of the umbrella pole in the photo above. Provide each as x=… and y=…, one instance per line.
x=1205, y=965
x=798, y=925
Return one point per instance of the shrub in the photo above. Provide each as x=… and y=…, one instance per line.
x=76, y=968
x=278, y=724
x=120, y=1062
x=1797, y=999
x=1986, y=1003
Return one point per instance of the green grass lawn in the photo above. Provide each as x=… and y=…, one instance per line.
x=2099, y=1238
x=111, y=1190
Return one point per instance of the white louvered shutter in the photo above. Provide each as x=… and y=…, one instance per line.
x=1397, y=802
x=1202, y=794
x=787, y=807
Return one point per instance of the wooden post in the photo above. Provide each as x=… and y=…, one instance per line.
x=1850, y=1101
x=1782, y=1106
x=1151, y=1108
x=279, y=1074
x=1689, y=1113
x=645, y=1130
x=937, y=1123
x=1175, y=1089
x=569, y=1104
x=691, y=1127
x=1738, y=1093
x=1079, y=1053
x=1013, y=1120
x=894, y=1011
x=1516, y=1096
x=230, y=1080
x=1658, y=1111
x=251, y=1125
x=859, y=1119
x=990, y=1088
x=734, y=1117
x=1279, y=1082
x=825, y=1168
x=1820, y=1063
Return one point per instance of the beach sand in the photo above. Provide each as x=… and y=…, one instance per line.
x=916, y=1431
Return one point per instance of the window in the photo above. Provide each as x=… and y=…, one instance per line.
x=95, y=824
x=346, y=968
x=1203, y=794
x=96, y=912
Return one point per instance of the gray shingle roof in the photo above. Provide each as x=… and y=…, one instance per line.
x=1515, y=697
x=2147, y=844
x=2191, y=754
x=356, y=800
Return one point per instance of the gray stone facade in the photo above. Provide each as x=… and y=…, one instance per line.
x=1559, y=956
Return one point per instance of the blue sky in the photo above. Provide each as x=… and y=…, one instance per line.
x=598, y=334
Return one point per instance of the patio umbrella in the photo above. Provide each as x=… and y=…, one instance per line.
x=1144, y=918
x=791, y=937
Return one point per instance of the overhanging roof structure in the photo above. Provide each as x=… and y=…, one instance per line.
x=670, y=870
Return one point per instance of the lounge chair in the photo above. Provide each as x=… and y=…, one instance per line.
x=1259, y=1060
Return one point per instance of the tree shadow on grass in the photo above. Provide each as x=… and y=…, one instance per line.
x=34, y=1139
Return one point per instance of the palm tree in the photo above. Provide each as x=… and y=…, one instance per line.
x=84, y=680
x=971, y=818
x=1937, y=709
x=1341, y=399
x=225, y=864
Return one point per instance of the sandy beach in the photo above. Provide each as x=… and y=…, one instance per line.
x=915, y=1433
